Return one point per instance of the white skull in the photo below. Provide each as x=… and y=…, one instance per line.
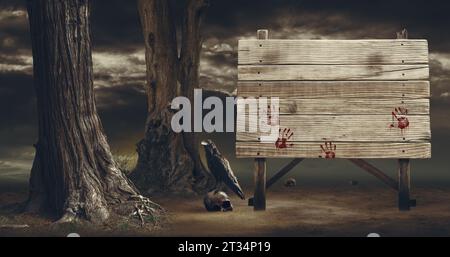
x=290, y=182
x=217, y=201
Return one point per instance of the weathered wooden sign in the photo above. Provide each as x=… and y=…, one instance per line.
x=338, y=98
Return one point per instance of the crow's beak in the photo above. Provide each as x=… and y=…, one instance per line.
x=204, y=143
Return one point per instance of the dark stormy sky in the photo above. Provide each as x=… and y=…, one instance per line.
x=119, y=65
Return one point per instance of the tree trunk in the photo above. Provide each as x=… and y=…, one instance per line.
x=169, y=161
x=73, y=174
x=191, y=47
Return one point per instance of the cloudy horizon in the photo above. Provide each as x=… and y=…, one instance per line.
x=119, y=61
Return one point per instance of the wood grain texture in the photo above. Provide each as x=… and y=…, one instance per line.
x=363, y=106
x=404, y=174
x=341, y=91
x=259, y=199
x=344, y=150
x=335, y=89
x=375, y=128
x=333, y=72
x=389, y=51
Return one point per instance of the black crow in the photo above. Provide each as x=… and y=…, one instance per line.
x=221, y=169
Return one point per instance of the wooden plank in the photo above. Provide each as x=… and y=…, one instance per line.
x=290, y=105
x=347, y=150
x=335, y=89
x=259, y=199
x=346, y=128
x=262, y=34
x=390, y=51
x=259, y=202
x=403, y=165
x=333, y=72
x=403, y=184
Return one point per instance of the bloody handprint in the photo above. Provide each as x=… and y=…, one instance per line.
x=328, y=151
x=399, y=119
x=283, y=138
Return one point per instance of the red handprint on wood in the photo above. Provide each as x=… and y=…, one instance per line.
x=283, y=138
x=399, y=119
x=328, y=151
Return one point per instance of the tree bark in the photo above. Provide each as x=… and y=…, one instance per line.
x=169, y=161
x=189, y=76
x=73, y=174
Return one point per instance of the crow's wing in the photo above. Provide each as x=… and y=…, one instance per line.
x=228, y=177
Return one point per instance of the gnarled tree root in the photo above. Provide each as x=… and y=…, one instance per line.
x=146, y=210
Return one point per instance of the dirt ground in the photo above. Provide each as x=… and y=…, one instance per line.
x=300, y=211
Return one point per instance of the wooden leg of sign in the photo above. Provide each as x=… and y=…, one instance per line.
x=279, y=174
x=403, y=184
x=259, y=199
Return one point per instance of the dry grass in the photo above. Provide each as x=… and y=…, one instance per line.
x=126, y=162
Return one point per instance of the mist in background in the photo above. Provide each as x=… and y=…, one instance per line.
x=119, y=67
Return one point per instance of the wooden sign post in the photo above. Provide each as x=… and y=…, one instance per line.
x=352, y=99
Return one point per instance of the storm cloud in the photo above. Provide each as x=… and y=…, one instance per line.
x=119, y=62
